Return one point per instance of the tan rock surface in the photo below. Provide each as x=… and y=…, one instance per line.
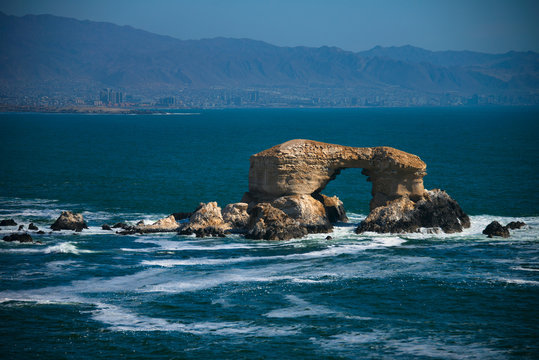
x=269, y=223
x=308, y=211
x=304, y=167
x=69, y=221
x=236, y=215
x=207, y=220
x=436, y=210
x=167, y=224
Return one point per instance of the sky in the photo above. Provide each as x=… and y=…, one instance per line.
x=492, y=26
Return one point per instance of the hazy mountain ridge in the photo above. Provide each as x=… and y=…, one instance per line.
x=65, y=54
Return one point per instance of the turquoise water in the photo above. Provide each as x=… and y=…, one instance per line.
x=97, y=295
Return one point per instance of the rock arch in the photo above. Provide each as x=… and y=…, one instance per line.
x=305, y=167
x=284, y=200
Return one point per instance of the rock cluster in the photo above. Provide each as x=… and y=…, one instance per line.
x=269, y=223
x=69, y=221
x=285, y=197
x=435, y=210
x=497, y=229
x=23, y=238
x=285, y=201
x=206, y=220
x=8, y=222
x=167, y=224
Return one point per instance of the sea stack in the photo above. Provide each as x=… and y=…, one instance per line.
x=289, y=178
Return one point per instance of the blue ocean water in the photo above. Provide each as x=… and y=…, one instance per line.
x=97, y=294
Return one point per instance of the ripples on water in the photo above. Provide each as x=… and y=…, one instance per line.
x=100, y=295
x=356, y=296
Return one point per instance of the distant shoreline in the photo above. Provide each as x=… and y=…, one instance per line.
x=81, y=110
x=157, y=111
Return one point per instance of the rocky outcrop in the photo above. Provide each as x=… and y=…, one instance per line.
x=304, y=167
x=269, y=223
x=513, y=225
x=334, y=208
x=290, y=177
x=8, y=222
x=496, y=229
x=207, y=220
x=31, y=226
x=69, y=221
x=22, y=238
x=182, y=215
x=236, y=215
x=167, y=224
x=435, y=210
x=306, y=210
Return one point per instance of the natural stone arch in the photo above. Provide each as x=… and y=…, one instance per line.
x=284, y=200
x=305, y=167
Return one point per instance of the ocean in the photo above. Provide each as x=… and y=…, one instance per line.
x=95, y=294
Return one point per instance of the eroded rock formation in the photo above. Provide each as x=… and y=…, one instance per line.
x=436, y=210
x=291, y=176
x=285, y=201
x=22, y=238
x=69, y=221
x=305, y=167
x=207, y=220
x=167, y=224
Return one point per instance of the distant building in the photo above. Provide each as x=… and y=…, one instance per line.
x=111, y=97
x=167, y=101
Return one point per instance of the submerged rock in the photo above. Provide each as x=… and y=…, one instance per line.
x=8, y=222
x=106, y=227
x=32, y=227
x=435, y=210
x=21, y=227
x=69, y=221
x=269, y=223
x=206, y=219
x=496, y=229
x=513, y=225
x=23, y=238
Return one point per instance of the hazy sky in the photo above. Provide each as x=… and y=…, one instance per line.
x=482, y=25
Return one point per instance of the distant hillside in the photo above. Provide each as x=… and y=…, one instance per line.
x=58, y=54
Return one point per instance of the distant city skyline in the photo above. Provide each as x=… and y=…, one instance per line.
x=492, y=26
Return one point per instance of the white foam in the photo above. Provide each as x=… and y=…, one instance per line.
x=65, y=248
x=202, y=245
x=301, y=308
x=329, y=251
x=519, y=281
x=451, y=347
x=524, y=268
x=120, y=319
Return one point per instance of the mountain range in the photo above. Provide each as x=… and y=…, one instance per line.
x=55, y=54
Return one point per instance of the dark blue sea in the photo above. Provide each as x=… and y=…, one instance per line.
x=98, y=295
